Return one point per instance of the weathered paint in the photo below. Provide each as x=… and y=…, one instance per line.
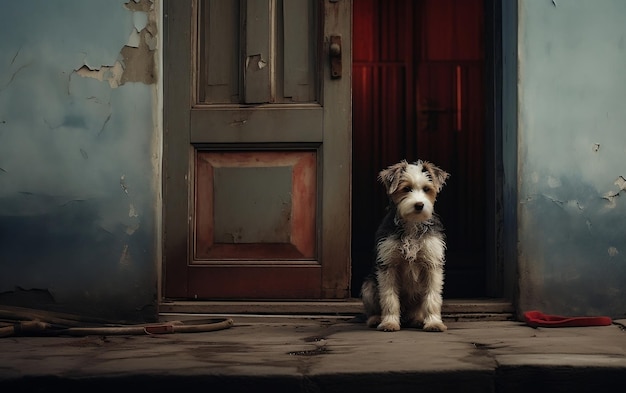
x=78, y=146
x=572, y=144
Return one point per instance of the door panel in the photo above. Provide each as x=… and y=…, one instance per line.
x=419, y=93
x=451, y=131
x=219, y=73
x=261, y=136
x=300, y=124
x=280, y=41
x=383, y=113
x=276, y=221
x=238, y=282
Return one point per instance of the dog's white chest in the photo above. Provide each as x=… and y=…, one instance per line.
x=428, y=250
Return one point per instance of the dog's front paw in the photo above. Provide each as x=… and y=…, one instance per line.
x=388, y=326
x=435, y=327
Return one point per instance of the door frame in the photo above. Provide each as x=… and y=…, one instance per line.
x=501, y=20
x=502, y=126
x=502, y=103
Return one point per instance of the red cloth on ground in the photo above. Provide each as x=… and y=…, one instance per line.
x=539, y=319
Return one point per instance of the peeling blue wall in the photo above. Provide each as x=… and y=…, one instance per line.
x=78, y=156
x=572, y=156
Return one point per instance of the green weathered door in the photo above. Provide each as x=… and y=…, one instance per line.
x=257, y=149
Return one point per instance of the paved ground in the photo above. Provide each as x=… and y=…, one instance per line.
x=323, y=355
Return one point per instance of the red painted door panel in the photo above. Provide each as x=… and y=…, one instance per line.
x=418, y=92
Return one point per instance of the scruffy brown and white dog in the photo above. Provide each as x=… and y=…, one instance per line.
x=407, y=281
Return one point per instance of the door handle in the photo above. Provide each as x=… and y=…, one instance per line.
x=334, y=52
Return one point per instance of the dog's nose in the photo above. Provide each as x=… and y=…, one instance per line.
x=419, y=206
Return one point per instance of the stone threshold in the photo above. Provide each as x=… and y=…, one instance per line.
x=453, y=309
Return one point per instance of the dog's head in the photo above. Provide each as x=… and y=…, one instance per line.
x=413, y=188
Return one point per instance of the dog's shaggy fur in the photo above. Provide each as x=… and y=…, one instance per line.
x=406, y=284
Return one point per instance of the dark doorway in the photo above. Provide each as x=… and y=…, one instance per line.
x=419, y=93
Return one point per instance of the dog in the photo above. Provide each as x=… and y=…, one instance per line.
x=406, y=284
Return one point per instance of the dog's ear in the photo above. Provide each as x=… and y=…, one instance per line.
x=437, y=175
x=390, y=177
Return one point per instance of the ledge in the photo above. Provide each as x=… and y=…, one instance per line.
x=453, y=309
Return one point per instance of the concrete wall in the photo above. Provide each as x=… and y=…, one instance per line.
x=572, y=156
x=79, y=156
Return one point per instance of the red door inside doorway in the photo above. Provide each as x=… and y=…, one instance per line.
x=418, y=92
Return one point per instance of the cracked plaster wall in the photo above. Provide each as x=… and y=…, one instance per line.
x=79, y=154
x=572, y=158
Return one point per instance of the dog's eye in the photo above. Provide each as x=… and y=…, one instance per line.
x=426, y=189
x=407, y=189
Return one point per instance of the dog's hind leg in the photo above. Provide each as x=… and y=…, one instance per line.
x=389, y=301
x=371, y=301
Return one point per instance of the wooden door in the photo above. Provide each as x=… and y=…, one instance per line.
x=257, y=149
x=419, y=93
